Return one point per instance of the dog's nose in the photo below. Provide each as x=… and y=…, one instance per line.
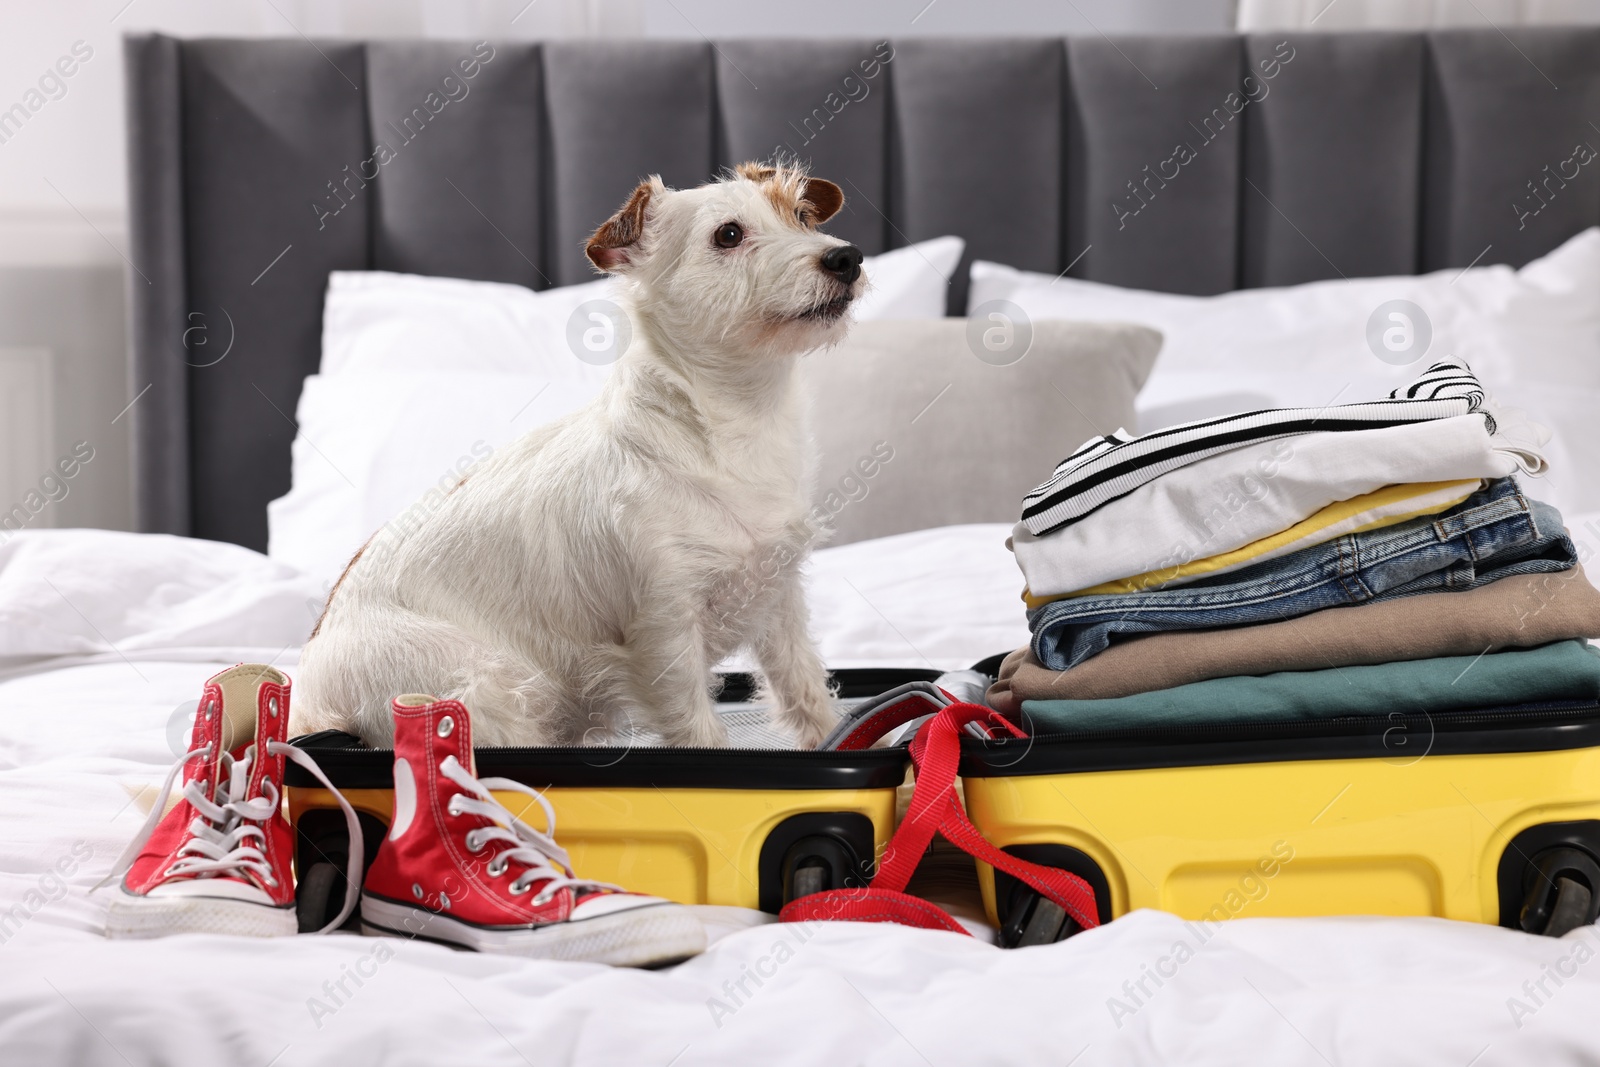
x=843, y=262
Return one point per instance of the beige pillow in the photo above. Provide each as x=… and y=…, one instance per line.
x=915, y=430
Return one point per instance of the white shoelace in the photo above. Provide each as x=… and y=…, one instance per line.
x=225, y=838
x=221, y=840
x=542, y=859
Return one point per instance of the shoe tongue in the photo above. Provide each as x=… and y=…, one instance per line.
x=240, y=687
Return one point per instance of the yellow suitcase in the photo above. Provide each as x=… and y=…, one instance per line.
x=1489, y=816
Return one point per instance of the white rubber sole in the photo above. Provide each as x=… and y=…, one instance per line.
x=646, y=936
x=145, y=917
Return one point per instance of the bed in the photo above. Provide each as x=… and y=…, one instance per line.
x=1381, y=153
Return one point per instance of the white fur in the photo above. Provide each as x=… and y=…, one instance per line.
x=599, y=567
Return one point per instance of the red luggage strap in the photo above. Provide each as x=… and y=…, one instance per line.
x=935, y=807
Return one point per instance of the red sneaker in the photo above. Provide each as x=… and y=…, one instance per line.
x=457, y=867
x=219, y=862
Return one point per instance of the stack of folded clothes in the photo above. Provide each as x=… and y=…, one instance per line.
x=1353, y=559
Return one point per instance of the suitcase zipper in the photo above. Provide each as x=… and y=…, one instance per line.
x=1521, y=715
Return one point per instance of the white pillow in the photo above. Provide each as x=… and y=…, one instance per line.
x=910, y=282
x=372, y=446
x=1541, y=322
x=377, y=321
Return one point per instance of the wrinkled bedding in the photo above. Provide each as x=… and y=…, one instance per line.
x=107, y=637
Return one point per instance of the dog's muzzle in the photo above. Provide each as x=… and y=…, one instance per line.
x=843, y=264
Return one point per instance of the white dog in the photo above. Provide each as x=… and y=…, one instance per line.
x=599, y=567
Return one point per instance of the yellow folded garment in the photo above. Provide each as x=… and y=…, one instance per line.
x=1388, y=506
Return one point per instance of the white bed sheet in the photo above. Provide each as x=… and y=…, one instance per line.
x=76, y=746
x=81, y=748
x=941, y=598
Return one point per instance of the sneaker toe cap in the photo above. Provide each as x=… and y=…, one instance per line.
x=215, y=888
x=594, y=905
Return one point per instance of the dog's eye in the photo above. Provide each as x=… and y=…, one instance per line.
x=728, y=235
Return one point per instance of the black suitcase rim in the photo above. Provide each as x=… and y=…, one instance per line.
x=350, y=765
x=1545, y=727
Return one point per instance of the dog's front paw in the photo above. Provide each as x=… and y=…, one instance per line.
x=700, y=732
x=809, y=724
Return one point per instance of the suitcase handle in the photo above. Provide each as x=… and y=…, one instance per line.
x=935, y=808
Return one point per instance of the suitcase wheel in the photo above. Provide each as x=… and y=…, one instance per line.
x=313, y=896
x=1563, y=892
x=811, y=852
x=1034, y=920
x=816, y=864
x=1026, y=918
x=322, y=847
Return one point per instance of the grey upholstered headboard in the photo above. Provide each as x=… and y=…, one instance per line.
x=255, y=169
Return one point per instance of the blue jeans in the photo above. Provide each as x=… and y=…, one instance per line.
x=1493, y=534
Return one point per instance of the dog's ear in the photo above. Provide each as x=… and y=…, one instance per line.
x=823, y=199
x=608, y=247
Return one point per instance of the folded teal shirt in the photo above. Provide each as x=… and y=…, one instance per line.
x=1561, y=671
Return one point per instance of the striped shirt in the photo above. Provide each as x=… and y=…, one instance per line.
x=1113, y=466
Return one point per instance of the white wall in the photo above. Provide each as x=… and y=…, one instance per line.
x=1327, y=15
x=63, y=232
